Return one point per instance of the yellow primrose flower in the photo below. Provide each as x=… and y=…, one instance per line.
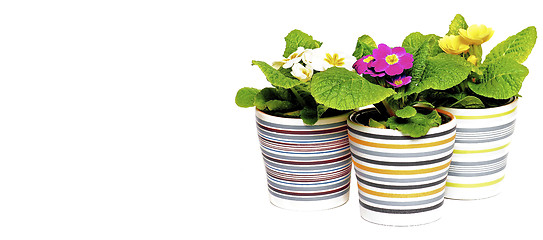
x=302, y=73
x=476, y=34
x=472, y=59
x=453, y=44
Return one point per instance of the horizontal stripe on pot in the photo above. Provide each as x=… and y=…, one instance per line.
x=400, y=179
x=481, y=150
x=308, y=167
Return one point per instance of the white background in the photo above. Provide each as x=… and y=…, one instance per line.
x=117, y=119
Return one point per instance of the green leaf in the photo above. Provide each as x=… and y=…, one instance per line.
x=262, y=97
x=424, y=103
x=406, y=112
x=295, y=113
x=279, y=105
x=297, y=38
x=376, y=124
x=457, y=23
x=310, y=116
x=518, y=46
x=364, y=46
x=419, y=62
x=275, y=77
x=468, y=102
x=442, y=72
x=502, y=78
x=416, y=126
x=342, y=89
x=246, y=97
x=414, y=41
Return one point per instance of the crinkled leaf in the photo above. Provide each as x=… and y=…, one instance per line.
x=275, y=77
x=517, y=47
x=468, y=102
x=342, y=89
x=297, y=38
x=456, y=24
x=245, y=97
x=442, y=72
x=414, y=41
x=364, y=46
x=502, y=78
x=419, y=62
x=416, y=126
x=406, y=112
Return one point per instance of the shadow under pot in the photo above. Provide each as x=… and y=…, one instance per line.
x=308, y=167
x=401, y=180
x=481, y=150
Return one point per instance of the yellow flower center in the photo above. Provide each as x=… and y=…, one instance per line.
x=392, y=59
x=398, y=82
x=292, y=56
x=334, y=60
x=368, y=59
x=305, y=71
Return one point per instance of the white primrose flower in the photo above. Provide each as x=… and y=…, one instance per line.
x=302, y=73
x=321, y=59
x=295, y=57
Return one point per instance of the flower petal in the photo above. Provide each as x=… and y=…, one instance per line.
x=399, y=51
x=380, y=65
x=382, y=51
x=394, y=69
x=360, y=66
x=406, y=61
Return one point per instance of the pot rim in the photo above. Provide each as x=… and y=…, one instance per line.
x=394, y=132
x=298, y=121
x=512, y=101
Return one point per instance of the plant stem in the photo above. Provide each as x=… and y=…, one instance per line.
x=301, y=100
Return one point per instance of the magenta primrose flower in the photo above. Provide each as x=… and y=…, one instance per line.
x=391, y=61
x=373, y=73
x=400, y=80
x=362, y=64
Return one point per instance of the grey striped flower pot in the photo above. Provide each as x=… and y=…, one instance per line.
x=308, y=167
x=401, y=180
x=480, y=152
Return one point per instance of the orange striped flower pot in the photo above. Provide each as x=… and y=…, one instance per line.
x=480, y=152
x=401, y=180
x=308, y=167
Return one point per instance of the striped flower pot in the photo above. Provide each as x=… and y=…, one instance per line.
x=308, y=167
x=401, y=180
x=480, y=153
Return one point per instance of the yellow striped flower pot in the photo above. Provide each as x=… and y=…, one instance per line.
x=401, y=180
x=481, y=149
x=308, y=167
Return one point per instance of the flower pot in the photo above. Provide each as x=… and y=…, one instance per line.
x=308, y=167
x=480, y=152
x=401, y=180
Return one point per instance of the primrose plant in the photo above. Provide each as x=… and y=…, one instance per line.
x=303, y=59
x=492, y=82
x=393, y=80
x=290, y=96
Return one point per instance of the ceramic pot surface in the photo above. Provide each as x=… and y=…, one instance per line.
x=481, y=149
x=401, y=180
x=308, y=167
